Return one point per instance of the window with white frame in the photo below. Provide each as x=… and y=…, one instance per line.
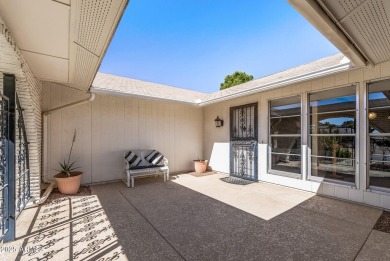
x=379, y=134
x=285, y=136
x=332, y=134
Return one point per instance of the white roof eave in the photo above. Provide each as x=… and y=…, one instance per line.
x=100, y=90
x=314, y=14
x=285, y=82
x=344, y=66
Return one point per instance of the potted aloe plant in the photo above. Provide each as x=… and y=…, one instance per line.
x=68, y=180
x=200, y=165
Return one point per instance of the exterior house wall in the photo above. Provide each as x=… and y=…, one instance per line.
x=29, y=91
x=110, y=125
x=216, y=140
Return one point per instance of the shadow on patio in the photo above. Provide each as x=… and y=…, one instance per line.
x=169, y=221
x=67, y=228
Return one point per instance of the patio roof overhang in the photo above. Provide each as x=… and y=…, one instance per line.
x=63, y=41
x=123, y=86
x=359, y=29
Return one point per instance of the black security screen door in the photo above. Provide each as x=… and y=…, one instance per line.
x=4, y=174
x=243, y=141
x=14, y=165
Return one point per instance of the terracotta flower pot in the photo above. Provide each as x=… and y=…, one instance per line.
x=68, y=185
x=200, y=166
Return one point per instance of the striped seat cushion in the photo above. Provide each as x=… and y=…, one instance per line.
x=154, y=157
x=132, y=159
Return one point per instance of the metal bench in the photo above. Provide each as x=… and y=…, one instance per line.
x=145, y=170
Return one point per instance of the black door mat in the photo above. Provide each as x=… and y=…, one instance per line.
x=383, y=223
x=236, y=181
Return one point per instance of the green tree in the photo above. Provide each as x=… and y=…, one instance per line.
x=235, y=79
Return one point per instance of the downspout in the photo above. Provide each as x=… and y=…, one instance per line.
x=44, y=144
x=73, y=104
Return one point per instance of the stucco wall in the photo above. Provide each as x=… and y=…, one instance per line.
x=216, y=140
x=110, y=125
x=29, y=91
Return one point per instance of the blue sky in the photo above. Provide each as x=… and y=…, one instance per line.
x=195, y=44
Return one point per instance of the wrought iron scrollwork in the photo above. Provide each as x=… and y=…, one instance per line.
x=23, y=171
x=250, y=131
x=4, y=215
x=244, y=158
x=235, y=132
x=244, y=120
x=244, y=141
x=242, y=115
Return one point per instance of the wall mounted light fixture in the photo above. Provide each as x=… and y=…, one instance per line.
x=218, y=122
x=372, y=115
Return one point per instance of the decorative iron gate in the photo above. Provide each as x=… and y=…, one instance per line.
x=14, y=165
x=22, y=181
x=4, y=177
x=243, y=141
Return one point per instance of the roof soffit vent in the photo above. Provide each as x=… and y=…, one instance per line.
x=365, y=23
x=93, y=23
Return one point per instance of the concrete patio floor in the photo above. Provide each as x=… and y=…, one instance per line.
x=198, y=218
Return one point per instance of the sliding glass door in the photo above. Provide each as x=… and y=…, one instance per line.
x=285, y=136
x=332, y=134
x=379, y=134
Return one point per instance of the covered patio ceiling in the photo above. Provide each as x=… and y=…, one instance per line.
x=358, y=28
x=63, y=41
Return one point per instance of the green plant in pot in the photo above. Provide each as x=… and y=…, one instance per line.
x=68, y=180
